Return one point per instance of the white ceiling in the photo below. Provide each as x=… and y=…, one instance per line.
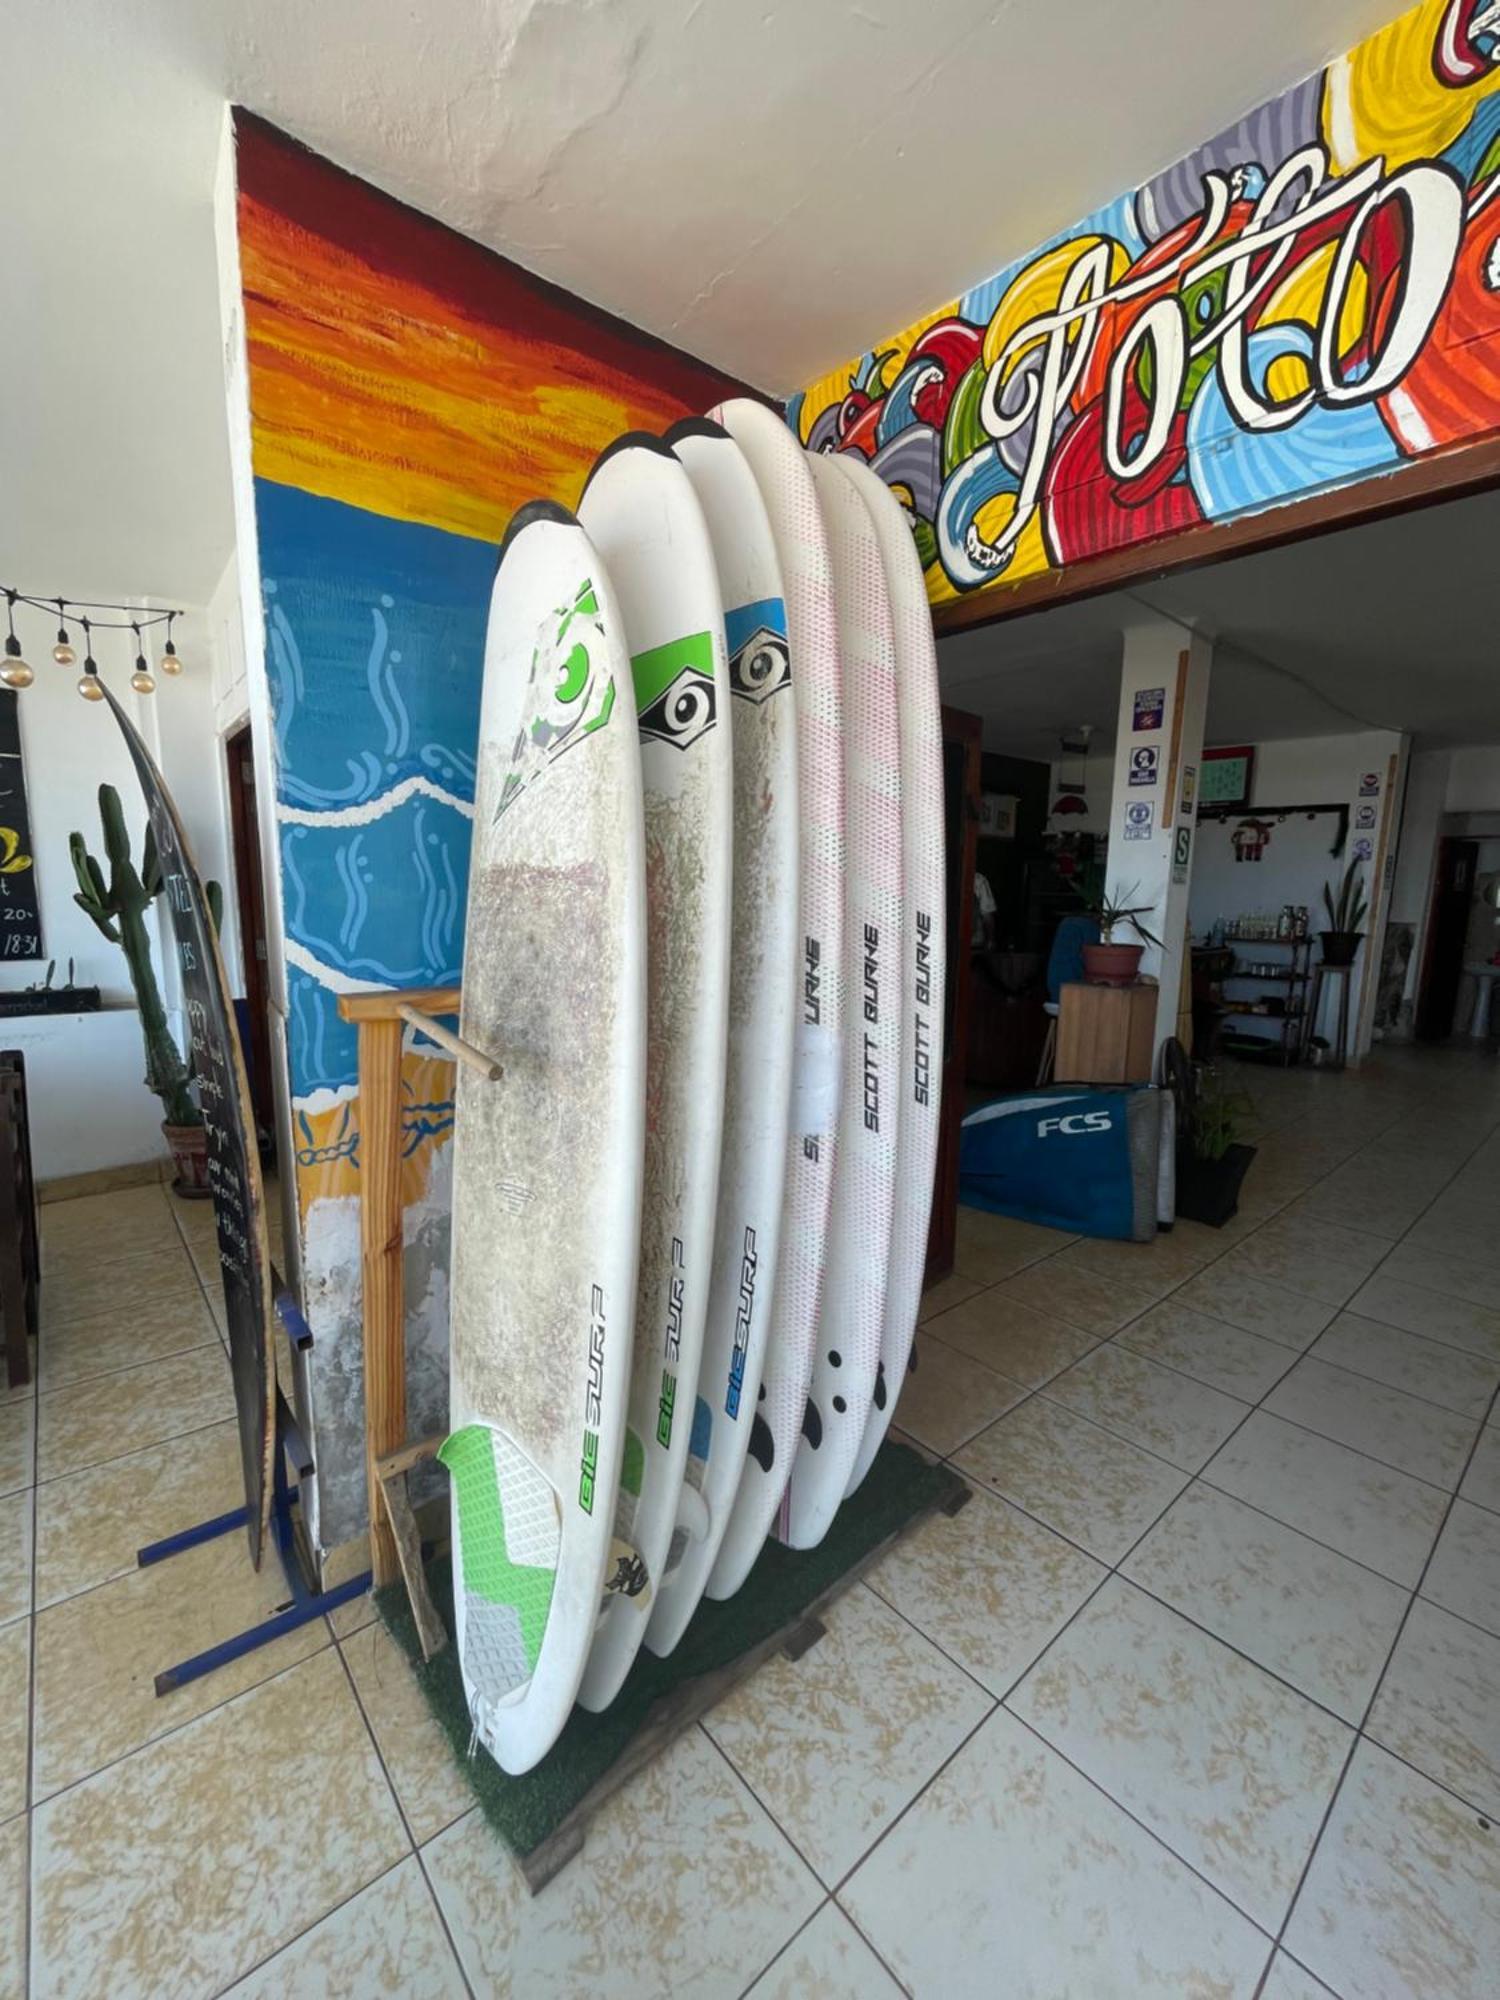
x=1386, y=626
x=773, y=187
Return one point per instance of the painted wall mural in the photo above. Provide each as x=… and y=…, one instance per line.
x=408, y=390
x=1305, y=301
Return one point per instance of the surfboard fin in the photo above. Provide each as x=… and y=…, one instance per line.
x=626, y=1575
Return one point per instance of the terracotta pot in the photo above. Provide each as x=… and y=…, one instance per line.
x=1112, y=964
x=189, y=1148
x=1340, y=947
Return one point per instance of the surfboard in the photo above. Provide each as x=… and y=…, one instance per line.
x=547, y=1162
x=923, y=942
x=782, y=473
x=762, y=1012
x=641, y=512
x=239, y=1199
x=847, y=1343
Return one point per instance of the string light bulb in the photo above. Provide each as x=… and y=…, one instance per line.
x=169, y=663
x=90, y=686
x=63, y=652
x=141, y=679
x=14, y=671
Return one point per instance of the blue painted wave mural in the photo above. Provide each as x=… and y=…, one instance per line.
x=375, y=650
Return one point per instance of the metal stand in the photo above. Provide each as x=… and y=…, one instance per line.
x=293, y=1463
x=1338, y=1053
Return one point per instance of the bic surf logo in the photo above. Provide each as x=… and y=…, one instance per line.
x=568, y=697
x=675, y=697
x=759, y=661
x=593, y=1404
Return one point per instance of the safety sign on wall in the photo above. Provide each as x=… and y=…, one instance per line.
x=1140, y=817
x=1182, y=851
x=1144, y=764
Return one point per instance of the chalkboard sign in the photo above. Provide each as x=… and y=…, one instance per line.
x=20, y=910
x=233, y=1163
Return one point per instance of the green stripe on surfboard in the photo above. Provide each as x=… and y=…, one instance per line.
x=490, y=1571
x=655, y=670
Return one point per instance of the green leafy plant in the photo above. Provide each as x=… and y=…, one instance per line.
x=1216, y=1114
x=1112, y=911
x=1349, y=911
x=119, y=912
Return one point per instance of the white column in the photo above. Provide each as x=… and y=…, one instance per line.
x=1158, y=749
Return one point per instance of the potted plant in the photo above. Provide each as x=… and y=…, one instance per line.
x=1109, y=963
x=1340, y=941
x=1211, y=1158
x=120, y=913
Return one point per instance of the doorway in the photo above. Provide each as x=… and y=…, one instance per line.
x=1452, y=893
x=251, y=911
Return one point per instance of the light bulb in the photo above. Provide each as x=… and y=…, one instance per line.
x=15, y=673
x=143, y=683
x=91, y=688
x=169, y=662
x=62, y=652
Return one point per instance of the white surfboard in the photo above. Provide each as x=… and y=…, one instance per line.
x=640, y=510
x=546, y=1161
x=782, y=473
x=764, y=973
x=847, y=1347
x=923, y=942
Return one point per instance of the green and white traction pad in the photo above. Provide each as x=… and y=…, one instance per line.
x=509, y=1537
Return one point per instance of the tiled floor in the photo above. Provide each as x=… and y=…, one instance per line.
x=1200, y=1694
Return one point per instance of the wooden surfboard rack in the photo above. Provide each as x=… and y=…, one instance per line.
x=379, y=1019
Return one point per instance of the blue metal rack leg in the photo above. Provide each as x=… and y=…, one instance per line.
x=305, y=1604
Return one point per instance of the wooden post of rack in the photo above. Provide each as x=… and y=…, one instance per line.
x=379, y=1018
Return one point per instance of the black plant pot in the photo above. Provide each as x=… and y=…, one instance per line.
x=1340, y=947
x=1209, y=1190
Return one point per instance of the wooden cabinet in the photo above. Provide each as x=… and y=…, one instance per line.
x=1106, y=1034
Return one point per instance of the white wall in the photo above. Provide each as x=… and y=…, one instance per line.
x=1309, y=770
x=1474, y=778
x=89, y=1105
x=1099, y=776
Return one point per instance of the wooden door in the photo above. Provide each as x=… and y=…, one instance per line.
x=1453, y=891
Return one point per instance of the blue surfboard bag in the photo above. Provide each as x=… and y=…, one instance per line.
x=1070, y=1157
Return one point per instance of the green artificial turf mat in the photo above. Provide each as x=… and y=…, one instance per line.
x=783, y=1584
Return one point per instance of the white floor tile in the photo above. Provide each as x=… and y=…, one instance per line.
x=1227, y=1357
x=1287, y=1981
x=1433, y=1314
x=1382, y=1518
x=988, y=1585
x=1012, y=1875
x=1086, y=1483
x=1458, y=1380
x=1402, y=1901
x=1300, y=1610
x=1464, y=1576
x=684, y=1886
x=1260, y=1305
x=946, y=1396
x=1481, y=1483
x=387, y=1940
x=829, y=1960
x=1439, y=1704
x=1400, y=1430
x=1158, y=1408
x=835, y=1744
x=1230, y=1768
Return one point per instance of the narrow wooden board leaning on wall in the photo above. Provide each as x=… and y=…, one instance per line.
x=233, y=1162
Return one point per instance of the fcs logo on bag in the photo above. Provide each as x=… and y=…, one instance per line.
x=568, y=698
x=675, y=696
x=759, y=660
x=1075, y=1124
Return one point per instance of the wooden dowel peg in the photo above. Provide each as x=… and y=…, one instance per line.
x=460, y=1050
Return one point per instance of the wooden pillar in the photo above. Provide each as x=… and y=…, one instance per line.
x=379, y=1019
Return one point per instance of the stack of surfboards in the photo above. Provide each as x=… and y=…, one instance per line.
x=705, y=940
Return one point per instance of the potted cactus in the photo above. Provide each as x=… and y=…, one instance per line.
x=119, y=912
